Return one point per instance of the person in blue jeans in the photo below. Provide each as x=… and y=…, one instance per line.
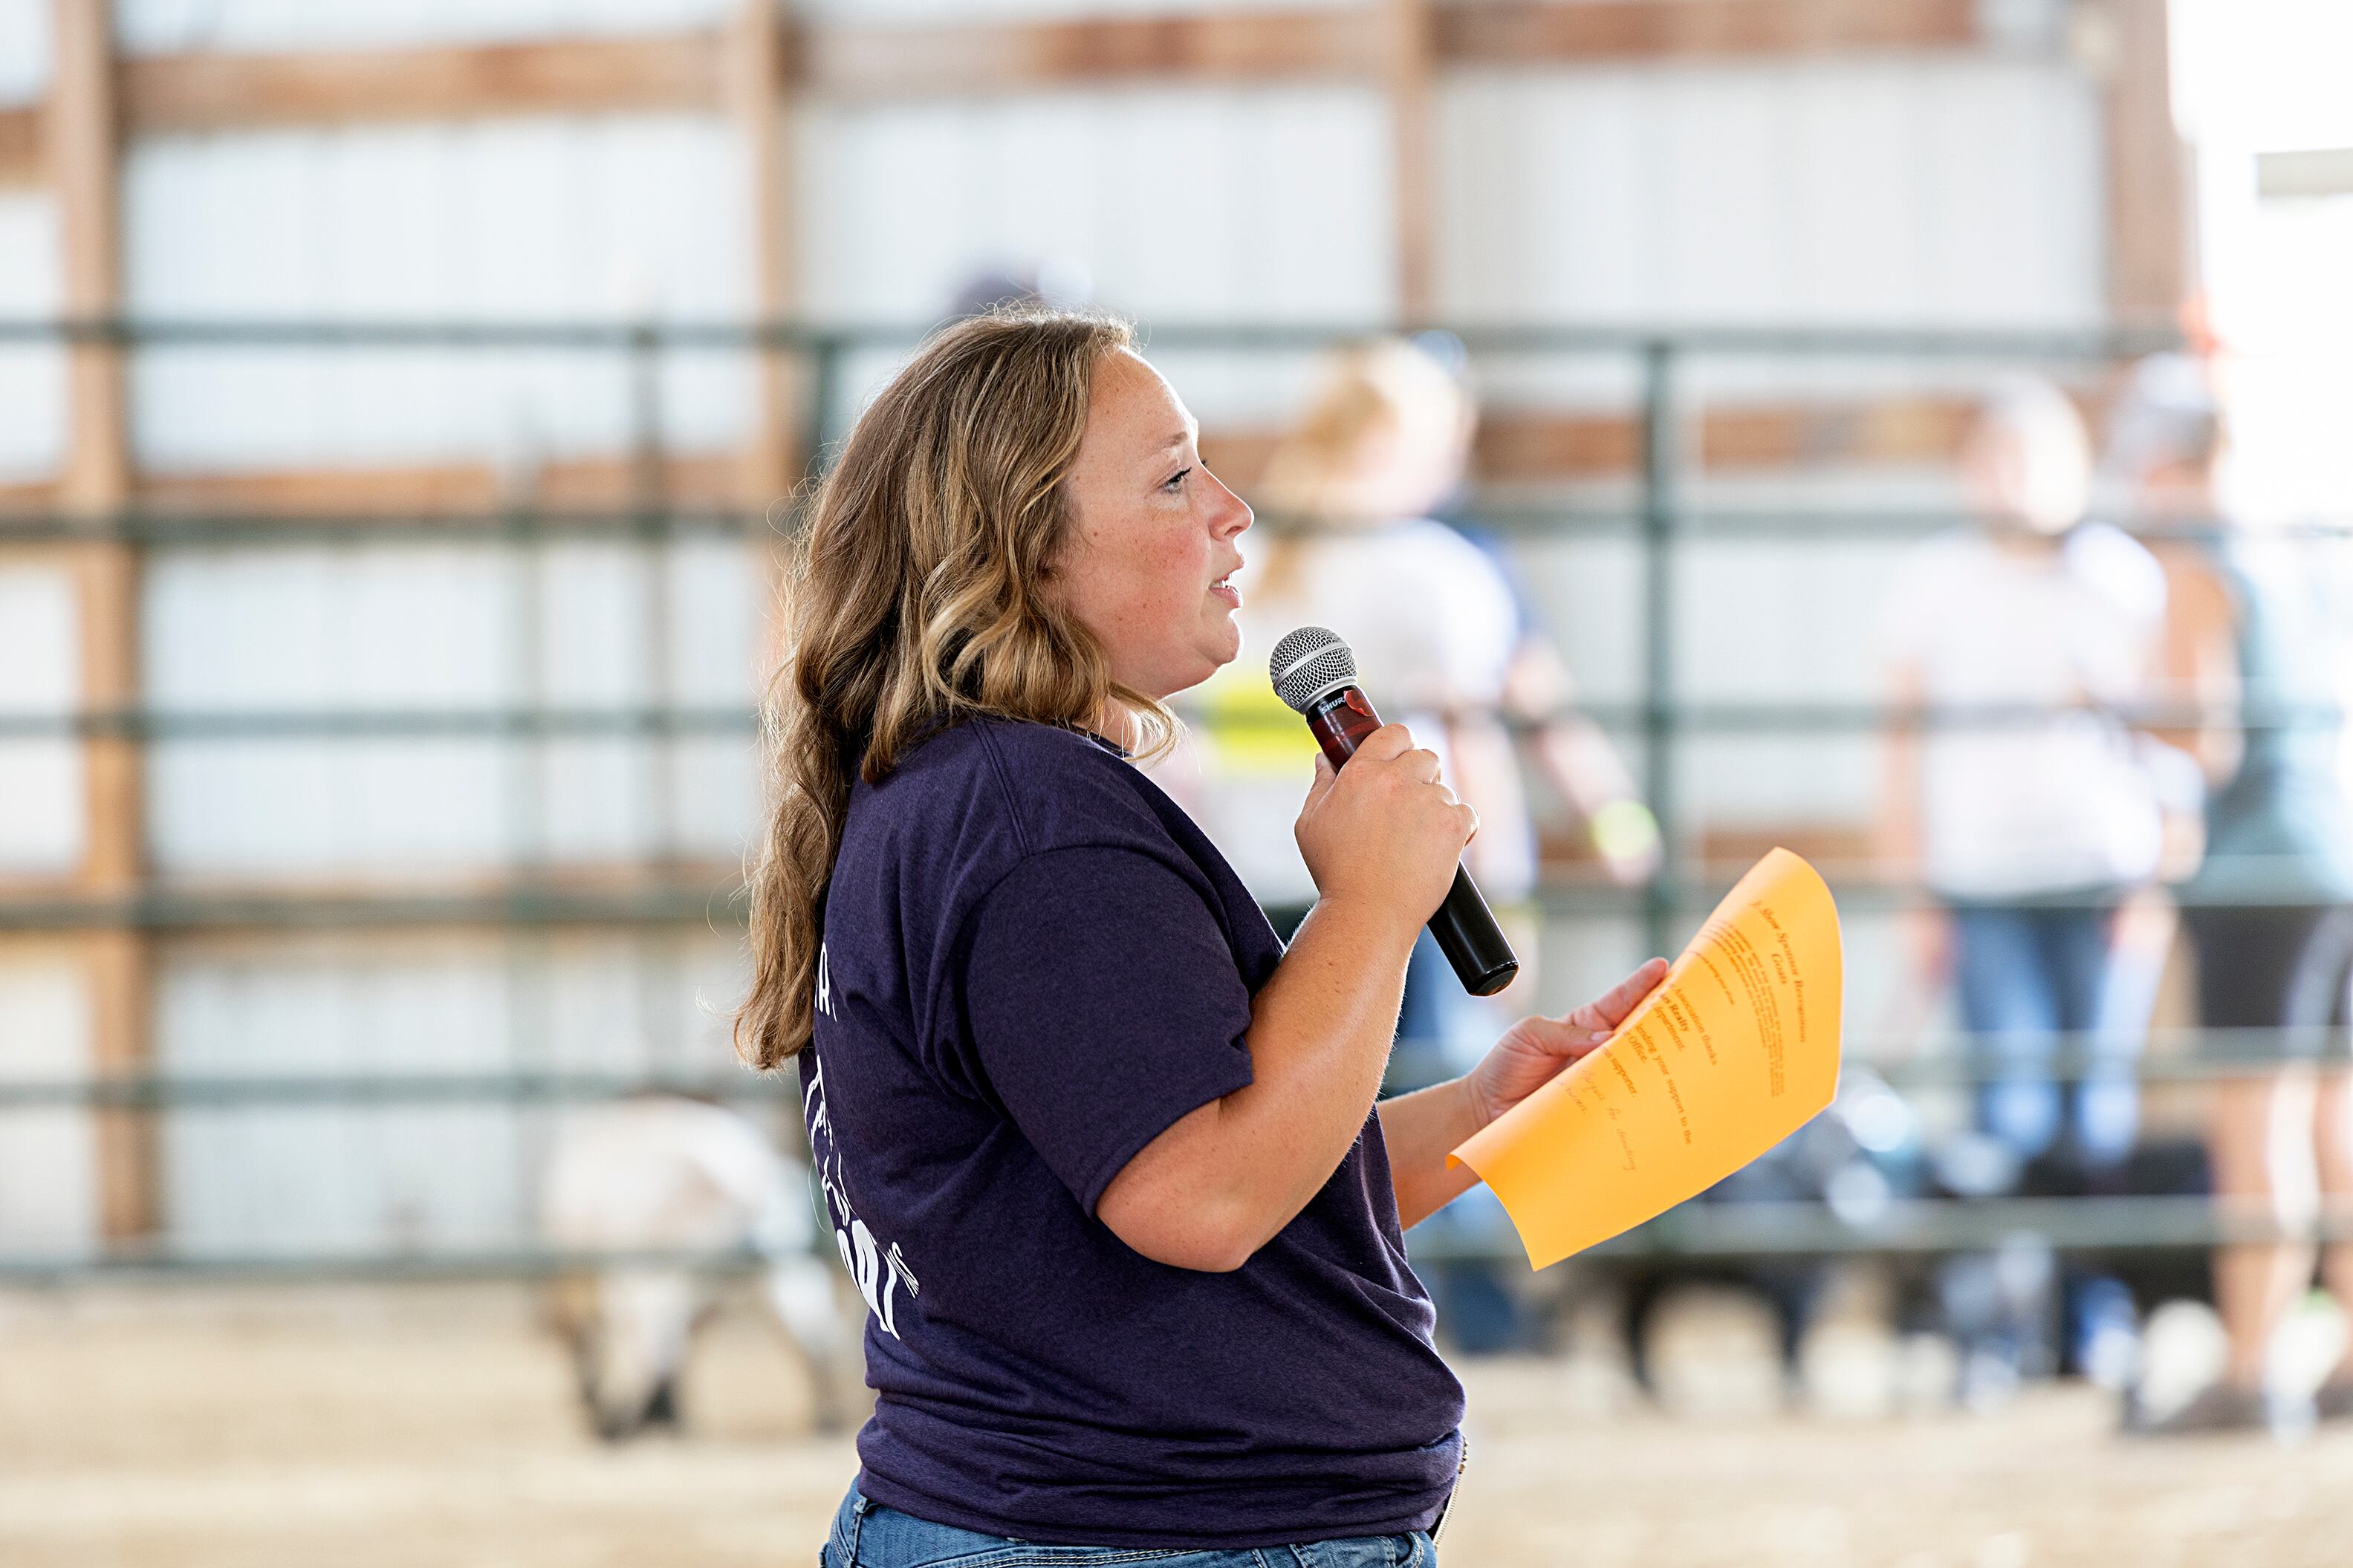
x=2256, y=643
x=2026, y=978
x=2018, y=796
x=1101, y=1152
x=2019, y=800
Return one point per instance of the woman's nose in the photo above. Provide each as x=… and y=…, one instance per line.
x=1237, y=514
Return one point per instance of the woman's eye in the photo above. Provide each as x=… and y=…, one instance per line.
x=1175, y=481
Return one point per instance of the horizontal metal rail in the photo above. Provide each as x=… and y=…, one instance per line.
x=711, y=896
x=2186, y=1055
x=1688, y=716
x=651, y=902
x=379, y=723
x=2076, y=1226
x=163, y=1265
x=529, y=523
x=504, y=527
x=215, y=1091
x=622, y=335
x=1699, y=1231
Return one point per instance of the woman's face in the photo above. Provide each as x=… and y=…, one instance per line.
x=1406, y=465
x=1152, y=548
x=2036, y=482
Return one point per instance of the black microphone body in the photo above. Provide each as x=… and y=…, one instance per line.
x=1464, y=926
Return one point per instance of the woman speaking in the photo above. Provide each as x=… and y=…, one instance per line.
x=1102, y=1154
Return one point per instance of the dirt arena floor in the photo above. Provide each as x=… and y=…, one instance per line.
x=319, y=1429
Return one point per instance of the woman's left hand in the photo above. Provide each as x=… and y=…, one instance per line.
x=1534, y=1051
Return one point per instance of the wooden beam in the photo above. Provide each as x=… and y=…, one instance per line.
x=1849, y=848
x=1535, y=446
x=624, y=893
x=82, y=145
x=902, y=62
x=2148, y=167
x=1513, y=445
x=1552, y=33
x=759, y=103
x=28, y=495
x=705, y=69
x=82, y=140
x=694, y=479
x=1410, y=72
x=24, y=161
x=216, y=92
x=1901, y=431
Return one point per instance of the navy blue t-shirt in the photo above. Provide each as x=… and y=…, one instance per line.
x=1034, y=963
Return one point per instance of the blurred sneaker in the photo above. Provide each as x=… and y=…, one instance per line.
x=2219, y=1407
x=2333, y=1400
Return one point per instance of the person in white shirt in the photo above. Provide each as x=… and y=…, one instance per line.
x=1441, y=645
x=2022, y=802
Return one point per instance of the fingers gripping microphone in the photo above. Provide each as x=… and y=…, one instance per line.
x=1315, y=674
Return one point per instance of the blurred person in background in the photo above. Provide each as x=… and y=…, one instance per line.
x=2253, y=640
x=1441, y=639
x=2024, y=805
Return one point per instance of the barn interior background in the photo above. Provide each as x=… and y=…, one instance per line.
x=395, y=403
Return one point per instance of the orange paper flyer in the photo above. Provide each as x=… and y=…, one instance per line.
x=1737, y=1048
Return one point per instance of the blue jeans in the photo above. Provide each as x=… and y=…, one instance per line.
x=2024, y=976
x=867, y=1535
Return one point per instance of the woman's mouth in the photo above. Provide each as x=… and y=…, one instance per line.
x=1223, y=588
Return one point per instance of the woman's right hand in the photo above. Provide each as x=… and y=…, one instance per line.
x=1384, y=831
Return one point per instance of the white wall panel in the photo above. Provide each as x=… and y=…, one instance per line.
x=1179, y=205
x=610, y=218
x=361, y=1177
x=24, y=50
x=41, y=807
x=335, y=1177
x=716, y=622
x=392, y=629
x=373, y=629
x=49, y=1170
x=168, y=26
x=32, y=376
x=1908, y=189
x=954, y=11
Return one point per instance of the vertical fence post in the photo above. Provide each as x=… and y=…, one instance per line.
x=1662, y=899
x=649, y=503
x=825, y=390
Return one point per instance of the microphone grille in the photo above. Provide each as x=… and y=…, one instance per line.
x=1308, y=663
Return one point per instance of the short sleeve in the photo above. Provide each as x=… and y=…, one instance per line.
x=1481, y=620
x=1104, y=1002
x=2120, y=567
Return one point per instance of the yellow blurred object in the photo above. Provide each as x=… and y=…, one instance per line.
x=1624, y=829
x=1737, y=1049
x=1250, y=733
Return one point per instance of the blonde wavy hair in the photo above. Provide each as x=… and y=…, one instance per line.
x=1386, y=387
x=914, y=600
x=1314, y=480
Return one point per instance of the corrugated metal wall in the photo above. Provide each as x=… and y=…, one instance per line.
x=1944, y=190
x=162, y=26
x=360, y=1178
x=48, y=1195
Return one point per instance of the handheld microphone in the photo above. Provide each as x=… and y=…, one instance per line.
x=1314, y=673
